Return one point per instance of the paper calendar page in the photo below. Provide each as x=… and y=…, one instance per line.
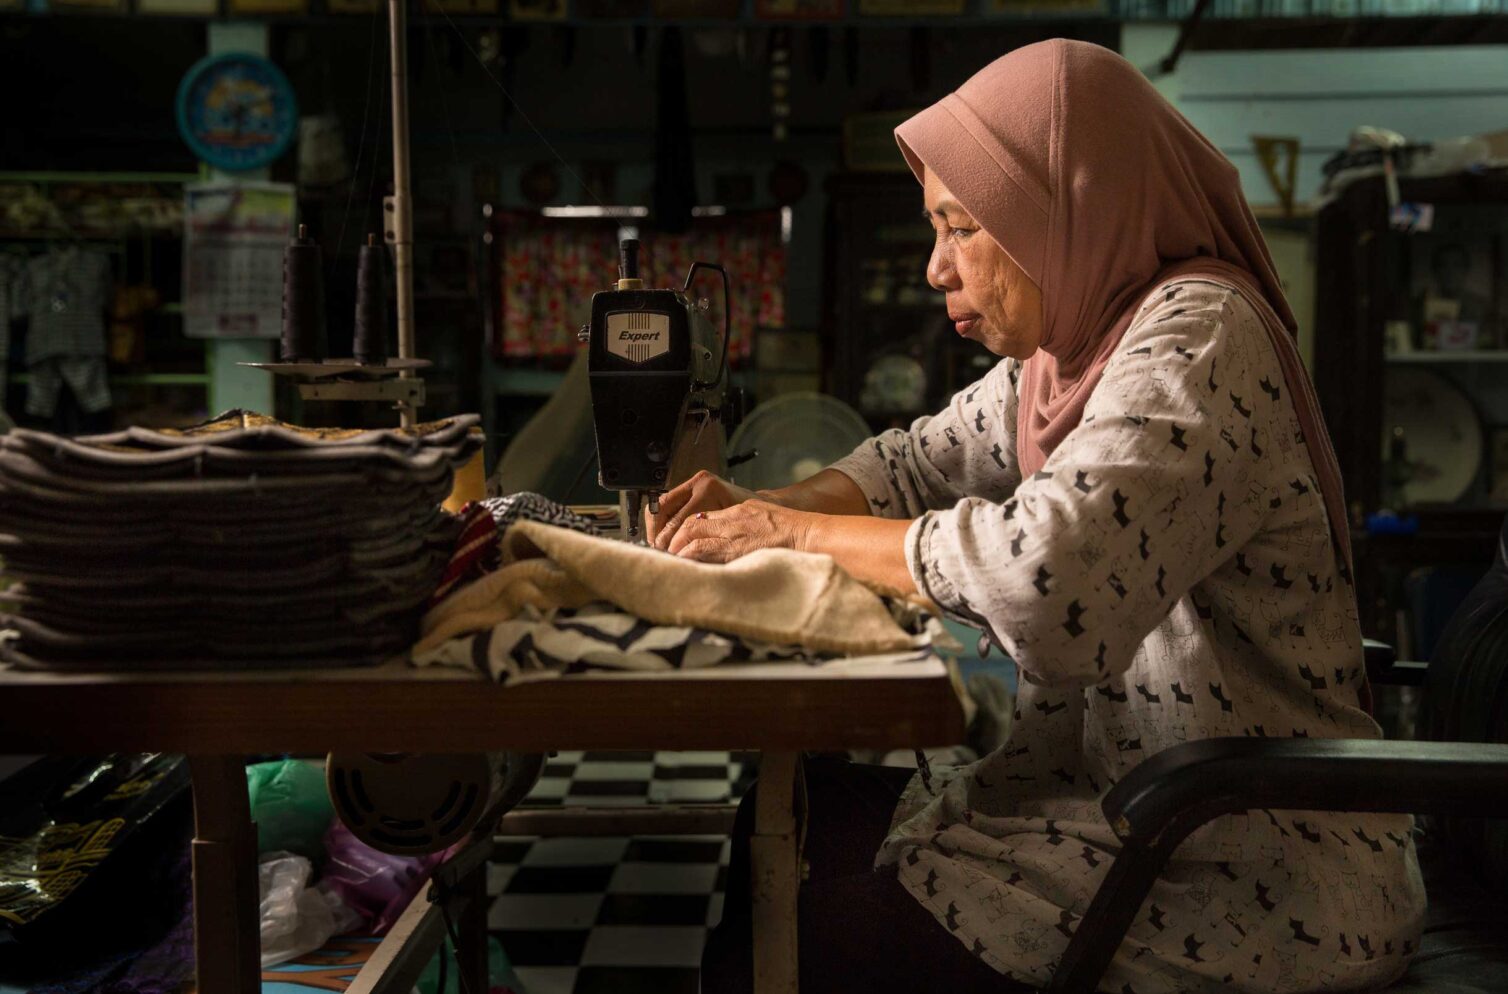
x=233, y=258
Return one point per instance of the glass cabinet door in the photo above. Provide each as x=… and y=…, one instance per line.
x=898, y=356
x=1445, y=345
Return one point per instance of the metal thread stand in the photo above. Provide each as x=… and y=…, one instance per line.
x=397, y=209
x=406, y=392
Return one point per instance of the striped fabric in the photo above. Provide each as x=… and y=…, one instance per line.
x=476, y=552
x=483, y=523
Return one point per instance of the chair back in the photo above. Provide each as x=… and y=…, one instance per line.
x=1466, y=700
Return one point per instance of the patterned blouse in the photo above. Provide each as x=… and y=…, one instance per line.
x=1166, y=576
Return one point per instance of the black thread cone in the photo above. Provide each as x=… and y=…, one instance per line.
x=370, y=340
x=303, y=301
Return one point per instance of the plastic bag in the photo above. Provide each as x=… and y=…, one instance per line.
x=297, y=918
x=376, y=885
x=500, y=976
x=290, y=805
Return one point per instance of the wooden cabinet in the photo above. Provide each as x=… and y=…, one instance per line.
x=1411, y=366
x=893, y=353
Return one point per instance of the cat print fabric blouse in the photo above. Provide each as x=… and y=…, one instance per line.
x=1168, y=575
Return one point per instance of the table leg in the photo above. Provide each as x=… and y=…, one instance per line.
x=471, y=931
x=774, y=858
x=227, y=935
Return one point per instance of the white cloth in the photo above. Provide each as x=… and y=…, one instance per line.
x=1167, y=576
x=65, y=293
x=86, y=376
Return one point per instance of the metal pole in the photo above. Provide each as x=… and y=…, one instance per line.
x=403, y=218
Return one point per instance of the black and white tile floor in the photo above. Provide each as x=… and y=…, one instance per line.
x=615, y=915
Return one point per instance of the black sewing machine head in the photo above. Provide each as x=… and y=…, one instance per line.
x=658, y=371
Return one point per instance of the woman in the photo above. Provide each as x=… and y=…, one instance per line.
x=1140, y=506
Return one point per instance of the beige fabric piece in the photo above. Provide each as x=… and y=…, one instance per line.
x=773, y=595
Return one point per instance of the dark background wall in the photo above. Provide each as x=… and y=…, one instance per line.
x=97, y=94
x=94, y=93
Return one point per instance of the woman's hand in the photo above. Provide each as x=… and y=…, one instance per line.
x=829, y=492
x=704, y=492
x=725, y=535
x=870, y=549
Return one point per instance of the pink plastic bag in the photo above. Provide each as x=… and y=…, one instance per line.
x=378, y=886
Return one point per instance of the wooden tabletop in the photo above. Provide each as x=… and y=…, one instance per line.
x=848, y=704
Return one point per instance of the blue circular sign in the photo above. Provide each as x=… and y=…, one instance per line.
x=237, y=111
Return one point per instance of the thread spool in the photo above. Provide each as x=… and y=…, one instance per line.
x=303, y=301
x=369, y=343
x=628, y=259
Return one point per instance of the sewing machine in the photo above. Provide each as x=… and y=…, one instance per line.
x=659, y=385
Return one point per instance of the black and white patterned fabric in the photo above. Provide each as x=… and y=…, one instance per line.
x=526, y=506
x=546, y=644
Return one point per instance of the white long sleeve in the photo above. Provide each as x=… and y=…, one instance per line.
x=967, y=448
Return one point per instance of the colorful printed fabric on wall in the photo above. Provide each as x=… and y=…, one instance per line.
x=550, y=267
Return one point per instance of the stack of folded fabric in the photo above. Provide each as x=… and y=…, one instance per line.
x=243, y=542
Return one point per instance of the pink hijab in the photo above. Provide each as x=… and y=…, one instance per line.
x=1099, y=190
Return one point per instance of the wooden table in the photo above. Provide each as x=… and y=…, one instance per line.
x=779, y=710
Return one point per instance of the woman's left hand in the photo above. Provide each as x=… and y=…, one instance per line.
x=725, y=535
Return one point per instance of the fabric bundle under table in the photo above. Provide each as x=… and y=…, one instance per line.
x=242, y=542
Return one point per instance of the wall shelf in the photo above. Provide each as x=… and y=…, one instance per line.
x=139, y=379
x=1414, y=358
x=96, y=177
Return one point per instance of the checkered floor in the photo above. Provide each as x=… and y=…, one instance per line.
x=615, y=915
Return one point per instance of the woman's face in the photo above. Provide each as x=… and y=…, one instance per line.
x=990, y=298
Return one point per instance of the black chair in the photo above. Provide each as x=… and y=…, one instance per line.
x=1459, y=780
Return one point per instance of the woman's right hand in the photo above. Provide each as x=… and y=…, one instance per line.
x=703, y=492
